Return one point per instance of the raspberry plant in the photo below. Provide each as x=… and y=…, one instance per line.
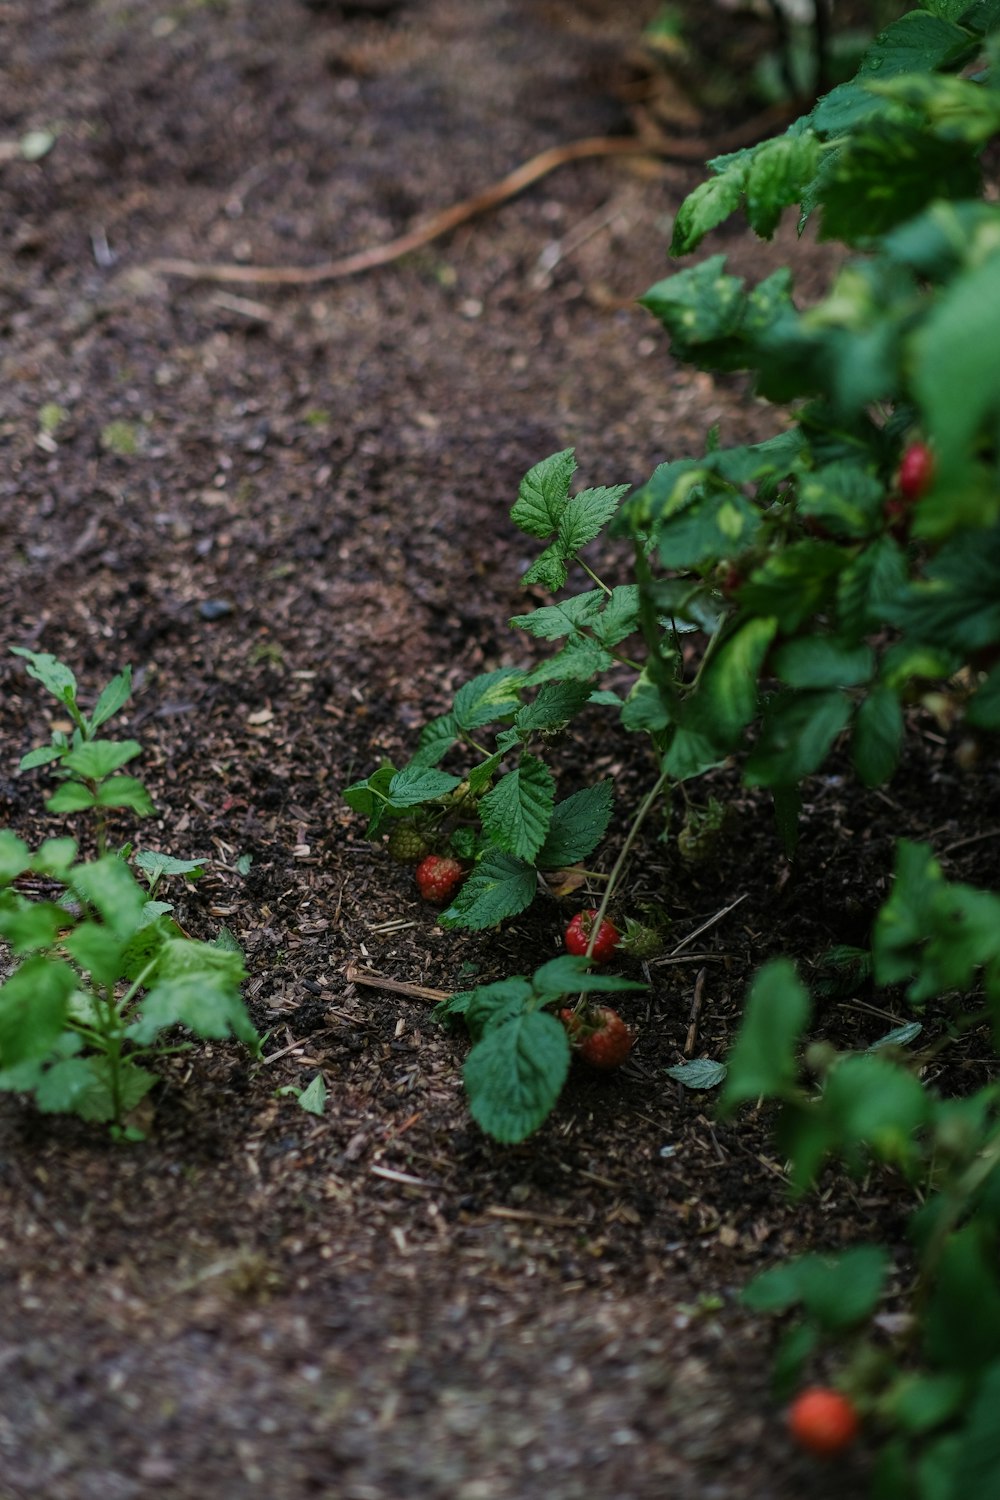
x=820, y=586
x=103, y=975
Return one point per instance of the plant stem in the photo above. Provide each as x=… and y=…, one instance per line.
x=593, y=576
x=619, y=863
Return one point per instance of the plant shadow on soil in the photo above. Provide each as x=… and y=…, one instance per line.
x=303, y=549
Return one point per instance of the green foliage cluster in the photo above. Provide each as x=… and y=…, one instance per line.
x=103, y=977
x=817, y=592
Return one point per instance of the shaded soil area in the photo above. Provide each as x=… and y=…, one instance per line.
x=288, y=509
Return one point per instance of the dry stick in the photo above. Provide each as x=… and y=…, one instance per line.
x=696, y=1004
x=680, y=149
x=705, y=926
x=376, y=982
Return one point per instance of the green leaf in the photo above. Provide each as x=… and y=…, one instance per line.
x=568, y=975
x=125, y=791
x=798, y=730
x=726, y=698
x=95, y=759
x=54, y=857
x=984, y=708
x=817, y=661
x=586, y=514
x=887, y=172
x=780, y=169
x=690, y=754
x=762, y=1061
x=977, y=1467
x=580, y=660
x=487, y=1005
x=555, y=705
x=710, y=204
x=125, y=1085
x=155, y=865
x=918, y=1402
x=206, y=1003
x=553, y=621
x=876, y=1103
x=436, y=739
x=114, y=697
x=877, y=737
x=417, y=784
x=899, y=1036
x=500, y=886
x=917, y=43
x=516, y=814
x=701, y=1073
x=487, y=699
x=50, y=672
x=97, y=951
x=72, y=796
x=956, y=604
x=108, y=887
x=700, y=305
x=955, y=344
x=794, y=583
x=838, y=1291
x=33, y=1007
x=15, y=856
x=543, y=495
x=962, y=1321
x=515, y=1074
x=30, y=925
x=368, y=797
x=577, y=826
x=43, y=756
x=313, y=1098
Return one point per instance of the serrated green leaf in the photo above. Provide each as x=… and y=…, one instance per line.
x=516, y=814
x=899, y=1036
x=794, y=583
x=620, y=616
x=96, y=759
x=543, y=495
x=580, y=660
x=917, y=43
x=204, y=1002
x=515, y=1074
x=569, y=974
x=887, y=172
x=555, y=705
x=15, y=857
x=436, y=739
x=487, y=1004
x=701, y=1073
x=53, y=674
x=124, y=1085
x=709, y=204
x=155, y=865
x=33, y=1007
x=585, y=515
x=877, y=736
x=488, y=698
x=798, y=730
x=107, y=886
x=817, y=661
x=700, y=305
x=838, y=1291
x=691, y=754
x=114, y=697
x=954, y=343
x=552, y=621
x=72, y=796
x=962, y=1321
x=762, y=1060
x=417, y=784
x=956, y=605
x=97, y=951
x=726, y=699
x=54, y=857
x=499, y=887
x=779, y=172
x=125, y=791
x=577, y=825
x=29, y=925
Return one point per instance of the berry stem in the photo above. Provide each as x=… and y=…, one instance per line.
x=619, y=865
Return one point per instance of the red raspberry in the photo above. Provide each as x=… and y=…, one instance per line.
x=578, y=937
x=437, y=876
x=599, y=1035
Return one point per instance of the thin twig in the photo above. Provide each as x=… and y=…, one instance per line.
x=355, y=975
x=680, y=148
x=705, y=926
x=696, y=1004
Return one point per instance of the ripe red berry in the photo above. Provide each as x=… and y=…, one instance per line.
x=437, y=876
x=916, y=470
x=578, y=937
x=599, y=1036
x=823, y=1421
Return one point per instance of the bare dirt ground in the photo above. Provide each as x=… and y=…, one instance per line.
x=287, y=508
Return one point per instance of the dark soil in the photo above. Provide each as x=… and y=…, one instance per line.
x=304, y=553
